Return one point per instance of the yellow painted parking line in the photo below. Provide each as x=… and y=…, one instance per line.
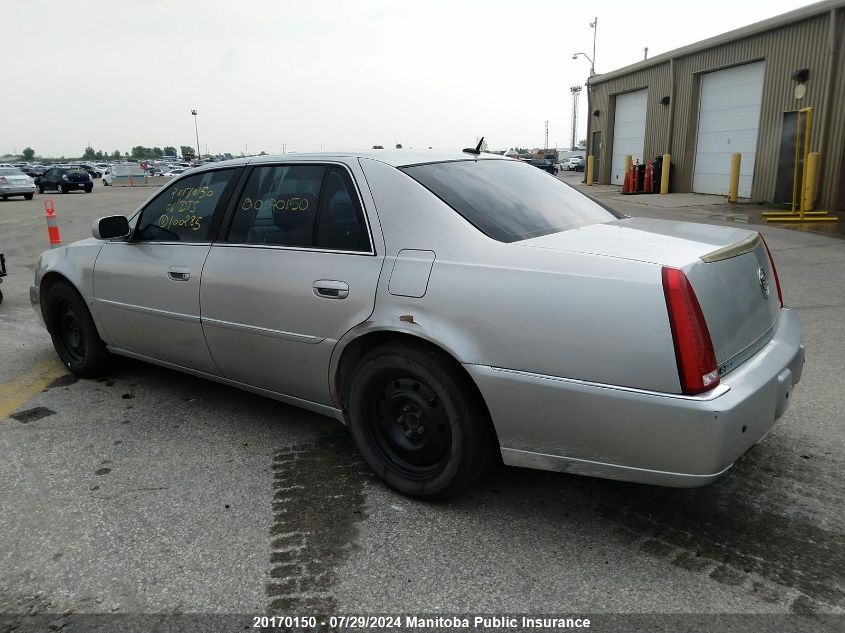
x=28, y=385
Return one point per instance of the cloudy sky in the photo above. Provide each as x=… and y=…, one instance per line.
x=322, y=73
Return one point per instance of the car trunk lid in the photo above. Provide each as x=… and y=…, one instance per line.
x=729, y=270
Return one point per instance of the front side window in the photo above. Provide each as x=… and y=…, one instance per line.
x=184, y=211
x=508, y=200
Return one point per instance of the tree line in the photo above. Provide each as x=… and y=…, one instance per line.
x=137, y=152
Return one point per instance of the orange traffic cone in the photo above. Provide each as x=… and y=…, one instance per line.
x=52, y=224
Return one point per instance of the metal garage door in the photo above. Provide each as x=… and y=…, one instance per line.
x=728, y=118
x=628, y=131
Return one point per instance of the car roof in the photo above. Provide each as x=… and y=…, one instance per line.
x=396, y=158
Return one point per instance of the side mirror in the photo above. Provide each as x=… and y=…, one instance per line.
x=111, y=227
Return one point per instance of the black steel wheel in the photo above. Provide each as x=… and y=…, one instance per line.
x=419, y=421
x=69, y=330
x=74, y=333
x=407, y=428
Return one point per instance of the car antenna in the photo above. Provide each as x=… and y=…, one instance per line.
x=476, y=150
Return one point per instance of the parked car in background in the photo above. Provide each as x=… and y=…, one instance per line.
x=174, y=172
x=573, y=163
x=13, y=182
x=483, y=312
x=65, y=179
x=34, y=171
x=544, y=164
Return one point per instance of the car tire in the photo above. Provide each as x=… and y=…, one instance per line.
x=89, y=189
x=40, y=189
x=74, y=334
x=419, y=421
x=28, y=196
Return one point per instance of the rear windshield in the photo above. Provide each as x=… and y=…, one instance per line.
x=508, y=200
x=8, y=171
x=75, y=169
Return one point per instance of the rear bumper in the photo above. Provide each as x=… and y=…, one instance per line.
x=634, y=435
x=16, y=190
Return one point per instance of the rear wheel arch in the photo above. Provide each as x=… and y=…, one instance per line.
x=356, y=349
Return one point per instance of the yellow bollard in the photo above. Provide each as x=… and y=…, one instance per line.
x=733, y=187
x=628, y=161
x=808, y=199
x=590, y=163
x=664, y=175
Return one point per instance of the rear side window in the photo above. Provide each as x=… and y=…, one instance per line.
x=278, y=206
x=340, y=221
x=508, y=200
x=300, y=205
x=184, y=212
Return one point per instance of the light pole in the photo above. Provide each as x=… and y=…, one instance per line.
x=589, y=59
x=595, y=26
x=196, y=131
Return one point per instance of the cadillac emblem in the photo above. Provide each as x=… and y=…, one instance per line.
x=764, y=282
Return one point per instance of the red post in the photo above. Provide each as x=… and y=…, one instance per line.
x=649, y=178
x=53, y=233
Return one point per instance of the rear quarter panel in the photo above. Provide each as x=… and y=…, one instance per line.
x=572, y=315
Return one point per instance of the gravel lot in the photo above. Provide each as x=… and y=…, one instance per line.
x=155, y=492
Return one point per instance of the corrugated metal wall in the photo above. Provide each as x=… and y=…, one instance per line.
x=803, y=44
x=833, y=186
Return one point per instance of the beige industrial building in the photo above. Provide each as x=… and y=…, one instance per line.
x=739, y=92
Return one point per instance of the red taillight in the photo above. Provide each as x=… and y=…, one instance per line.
x=694, y=353
x=774, y=269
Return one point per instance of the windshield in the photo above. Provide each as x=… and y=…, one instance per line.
x=508, y=200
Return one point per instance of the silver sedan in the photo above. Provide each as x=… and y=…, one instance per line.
x=13, y=182
x=453, y=309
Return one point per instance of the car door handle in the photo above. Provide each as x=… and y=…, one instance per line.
x=179, y=273
x=331, y=289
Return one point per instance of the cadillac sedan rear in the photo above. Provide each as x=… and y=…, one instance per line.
x=645, y=350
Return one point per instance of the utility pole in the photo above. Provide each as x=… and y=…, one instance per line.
x=595, y=25
x=546, y=146
x=576, y=93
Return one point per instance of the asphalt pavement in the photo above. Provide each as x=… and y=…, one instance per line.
x=151, y=491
